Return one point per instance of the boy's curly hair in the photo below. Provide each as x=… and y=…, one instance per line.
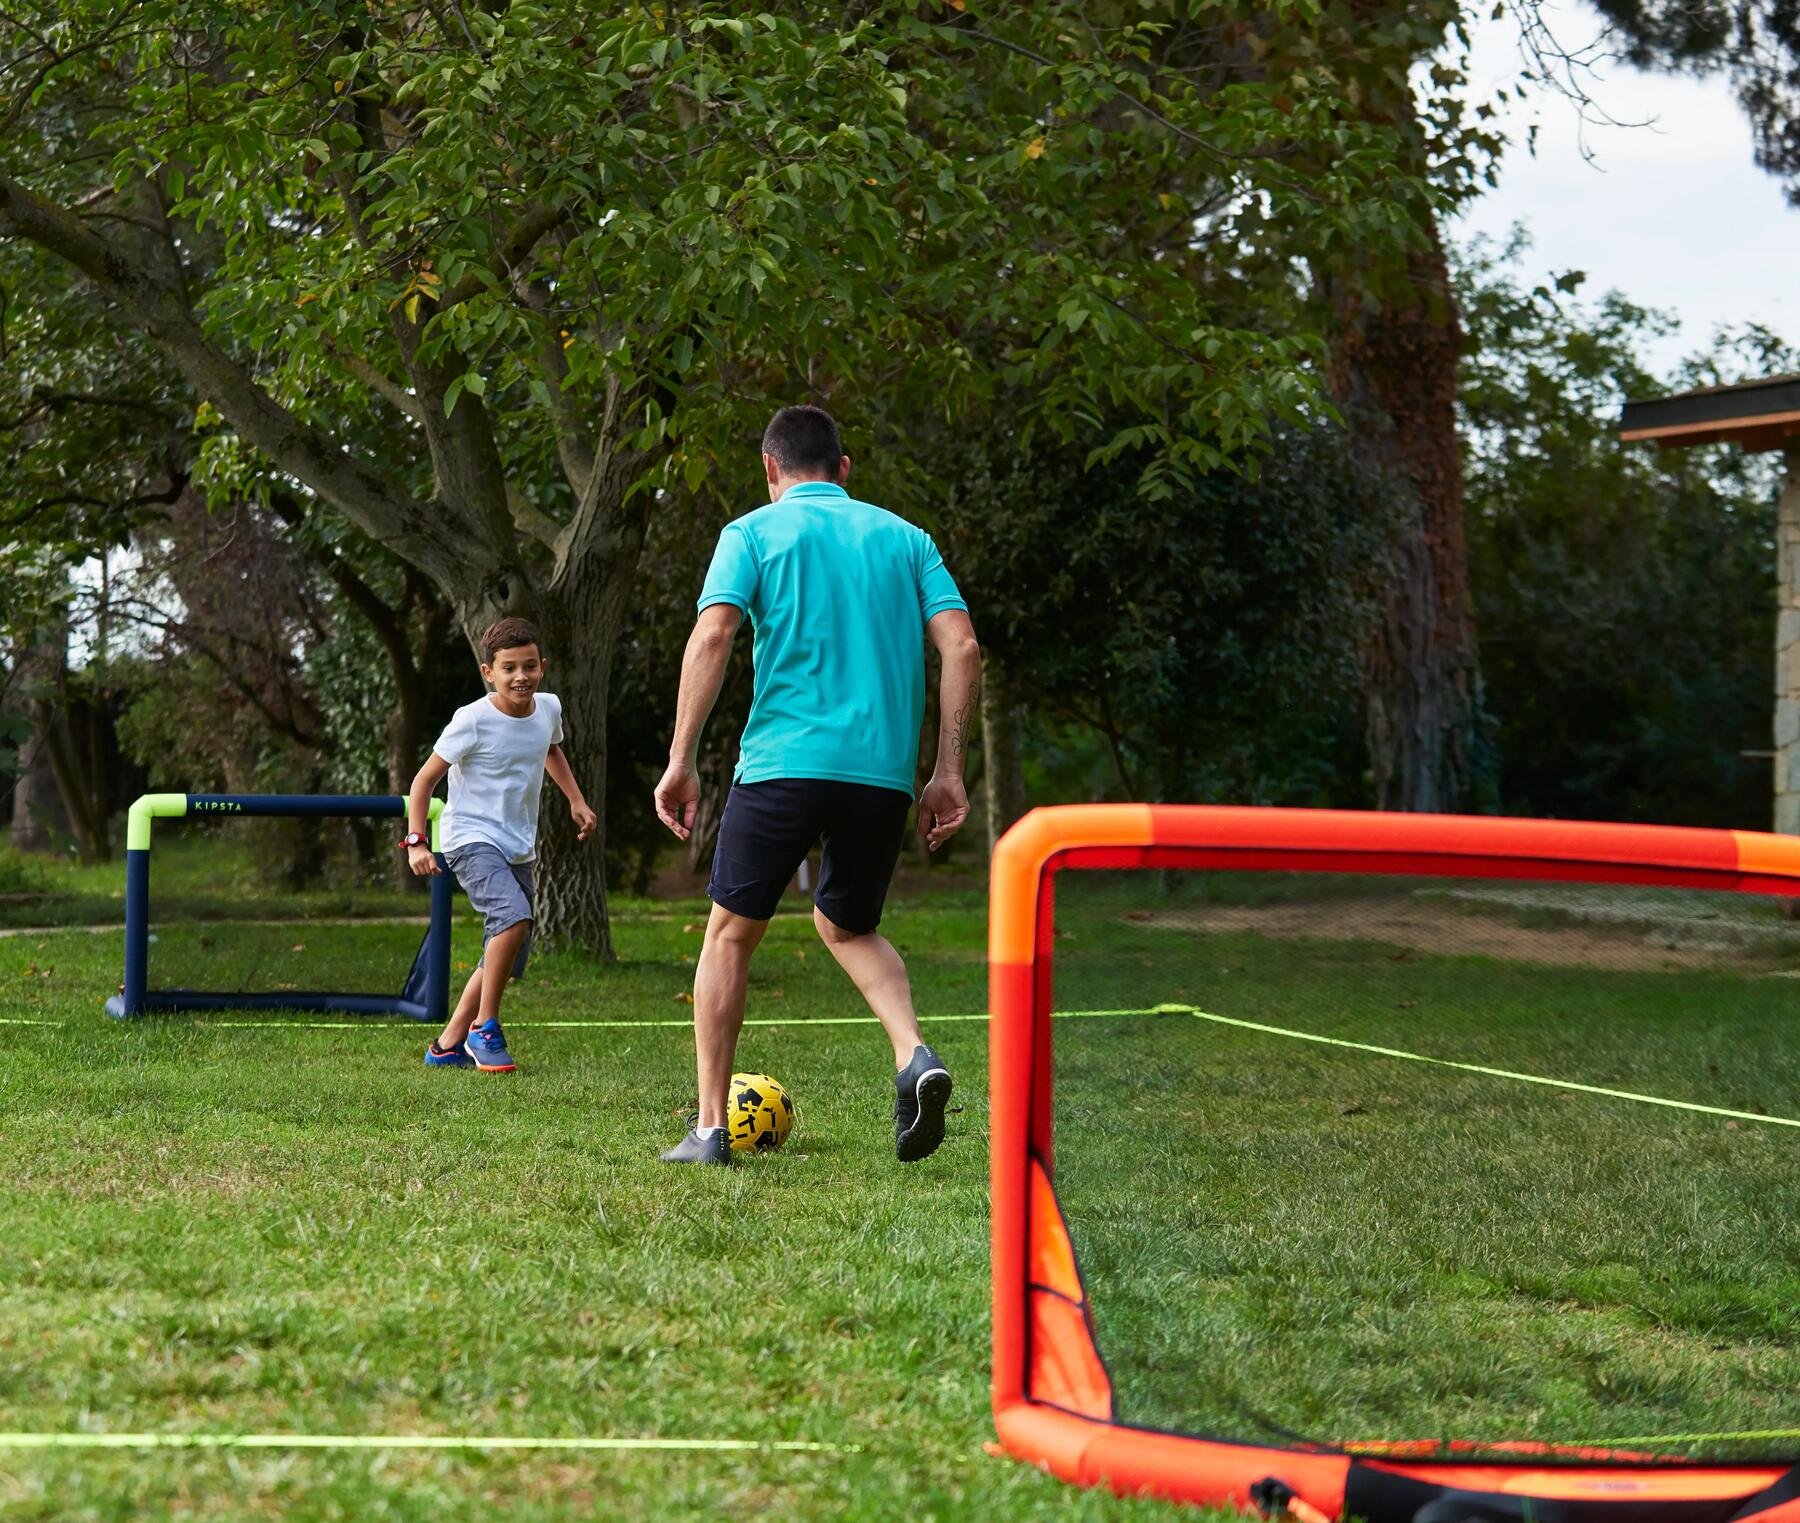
x=509, y=634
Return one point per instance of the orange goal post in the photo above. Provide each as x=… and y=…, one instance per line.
x=1053, y=1392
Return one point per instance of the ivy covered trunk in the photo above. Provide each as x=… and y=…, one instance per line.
x=1395, y=375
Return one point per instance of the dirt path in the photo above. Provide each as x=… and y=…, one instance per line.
x=1445, y=930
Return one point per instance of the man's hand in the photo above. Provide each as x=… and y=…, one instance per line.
x=586, y=821
x=423, y=861
x=678, y=799
x=943, y=807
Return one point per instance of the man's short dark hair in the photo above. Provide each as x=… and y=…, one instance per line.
x=509, y=634
x=804, y=441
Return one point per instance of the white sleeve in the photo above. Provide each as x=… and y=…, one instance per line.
x=556, y=729
x=459, y=736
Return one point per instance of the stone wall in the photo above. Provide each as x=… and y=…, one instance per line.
x=1787, y=655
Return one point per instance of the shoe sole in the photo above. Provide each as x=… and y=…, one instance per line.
x=705, y=1163
x=496, y=1068
x=931, y=1094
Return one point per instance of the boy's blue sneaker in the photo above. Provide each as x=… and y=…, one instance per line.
x=454, y=1058
x=487, y=1046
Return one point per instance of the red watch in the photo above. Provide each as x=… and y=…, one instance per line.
x=413, y=838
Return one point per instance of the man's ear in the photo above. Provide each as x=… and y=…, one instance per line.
x=843, y=470
x=771, y=469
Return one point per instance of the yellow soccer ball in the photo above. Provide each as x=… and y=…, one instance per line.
x=758, y=1113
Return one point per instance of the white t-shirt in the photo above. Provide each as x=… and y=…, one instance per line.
x=497, y=774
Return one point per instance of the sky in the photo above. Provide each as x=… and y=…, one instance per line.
x=1674, y=214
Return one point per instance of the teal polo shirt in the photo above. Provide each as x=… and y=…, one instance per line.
x=838, y=592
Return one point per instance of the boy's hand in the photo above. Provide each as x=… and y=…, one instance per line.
x=586, y=821
x=943, y=807
x=423, y=861
x=678, y=799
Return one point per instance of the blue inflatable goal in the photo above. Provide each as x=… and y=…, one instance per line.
x=424, y=996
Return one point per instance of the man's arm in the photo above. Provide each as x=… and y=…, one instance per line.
x=563, y=775
x=944, y=806
x=702, y=674
x=418, y=814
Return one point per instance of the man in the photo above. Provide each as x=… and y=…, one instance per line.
x=842, y=596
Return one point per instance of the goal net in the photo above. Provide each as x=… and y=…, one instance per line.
x=191, y=944
x=1346, y=1162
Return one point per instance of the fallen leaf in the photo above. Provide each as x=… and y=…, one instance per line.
x=299, y=946
x=685, y=998
x=688, y=930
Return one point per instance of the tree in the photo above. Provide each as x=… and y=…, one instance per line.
x=565, y=260
x=1212, y=647
x=1395, y=348
x=1626, y=595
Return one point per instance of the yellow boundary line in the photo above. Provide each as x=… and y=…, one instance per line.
x=1477, y=1068
x=409, y=1441
x=684, y=1023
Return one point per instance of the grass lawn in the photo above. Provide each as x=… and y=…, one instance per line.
x=285, y=1229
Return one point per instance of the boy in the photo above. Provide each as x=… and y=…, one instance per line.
x=496, y=751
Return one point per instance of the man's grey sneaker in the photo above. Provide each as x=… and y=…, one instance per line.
x=694, y=1148
x=921, y=1091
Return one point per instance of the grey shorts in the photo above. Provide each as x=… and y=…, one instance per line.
x=499, y=889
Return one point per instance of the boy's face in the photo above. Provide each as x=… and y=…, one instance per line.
x=515, y=672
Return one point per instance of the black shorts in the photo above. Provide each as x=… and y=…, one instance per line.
x=769, y=827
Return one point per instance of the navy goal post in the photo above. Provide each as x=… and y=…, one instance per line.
x=426, y=994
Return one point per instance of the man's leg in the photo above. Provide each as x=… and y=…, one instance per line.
x=719, y=984
x=880, y=977
x=763, y=836
x=862, y=844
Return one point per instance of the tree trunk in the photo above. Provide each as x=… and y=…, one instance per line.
x=1003, y=771
x=584, y=617
x=1394, y=373
x=72, y=742
x=38, y=814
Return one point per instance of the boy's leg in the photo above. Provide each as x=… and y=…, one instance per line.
x=502, y=892
x=719, y=987
x=498, y=966
x=463, y=1017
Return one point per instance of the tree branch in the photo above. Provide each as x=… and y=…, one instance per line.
x=433, y=535
x=573, y=446
x=377, y=380
x=502, y=265
x=532, y=519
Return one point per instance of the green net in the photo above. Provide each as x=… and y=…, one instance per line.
x=1357, y=1160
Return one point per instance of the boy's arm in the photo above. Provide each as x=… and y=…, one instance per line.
x=563, y=775
x=943, y=805
x=677, y=796
x=421, y=859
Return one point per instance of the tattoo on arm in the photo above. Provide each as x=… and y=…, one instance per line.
x=959, y=734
